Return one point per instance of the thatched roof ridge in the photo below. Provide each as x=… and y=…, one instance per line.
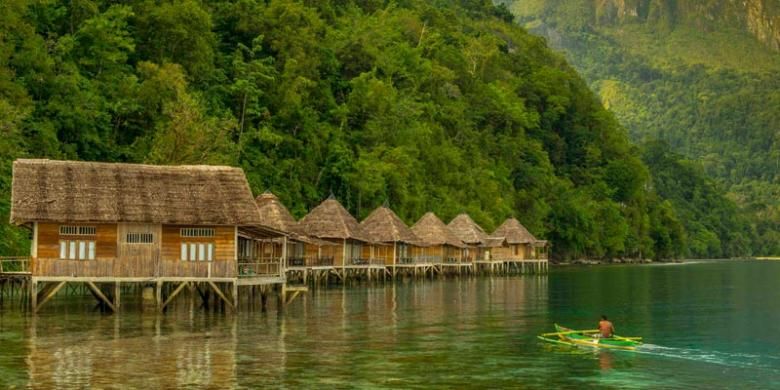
x=467, y=230
x=95, y=192
x=432, y=231
x=274, y=214
x=331, y=220
x=514, y=232
x=383, y=225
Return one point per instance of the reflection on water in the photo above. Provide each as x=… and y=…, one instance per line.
x=448, y=333
x=337, y=336
x=105, y=350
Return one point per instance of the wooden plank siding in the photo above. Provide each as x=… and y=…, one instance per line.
x=49, y=240
x=513, y=252
x=223, y=265
x=114, y=257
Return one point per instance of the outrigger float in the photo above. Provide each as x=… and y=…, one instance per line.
x=589, y=338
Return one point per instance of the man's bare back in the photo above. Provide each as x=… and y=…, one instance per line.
x=605, y=327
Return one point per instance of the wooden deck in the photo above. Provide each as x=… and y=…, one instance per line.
x=263, y=277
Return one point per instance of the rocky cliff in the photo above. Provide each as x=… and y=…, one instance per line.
x=760, y=18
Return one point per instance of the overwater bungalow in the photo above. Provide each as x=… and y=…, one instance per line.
x=472, y=235
x=444, y=247
x=331, y=222
x=517, y=244
x=402, y=248
x=300, y=250
x=101, y=223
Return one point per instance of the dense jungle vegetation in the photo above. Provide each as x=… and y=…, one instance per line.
x=702, y=76
x=437, y=105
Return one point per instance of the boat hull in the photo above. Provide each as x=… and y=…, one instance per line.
x=568, y=336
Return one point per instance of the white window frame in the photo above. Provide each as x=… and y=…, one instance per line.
x=78, y=250
x=196, y=251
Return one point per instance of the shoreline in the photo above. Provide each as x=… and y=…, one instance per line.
x=650, y=261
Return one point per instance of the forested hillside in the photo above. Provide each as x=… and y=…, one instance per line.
x=431, y=105
x=703, y=76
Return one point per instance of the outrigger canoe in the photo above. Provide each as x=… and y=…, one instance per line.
x=589, y=338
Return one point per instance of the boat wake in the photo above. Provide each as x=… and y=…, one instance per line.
x=731, y=359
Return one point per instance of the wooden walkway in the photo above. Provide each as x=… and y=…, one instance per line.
x=158, y=293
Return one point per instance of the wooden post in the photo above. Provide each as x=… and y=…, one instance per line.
x=283, y=266
x=117, y=293
x=235, y=295
x=344, y=254
x=282, y=296
x=158, y=295
x=34, y=294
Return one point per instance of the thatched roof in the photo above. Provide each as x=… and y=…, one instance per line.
x=514, y=232
x=277, y=216
x=467, y=230
x=274, y=214
x=432, y=231
x=74, y=191
x=383, y=225
x=494, y=242
x=331, y=220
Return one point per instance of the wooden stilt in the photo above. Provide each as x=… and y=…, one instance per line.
x=34, y=294
x=219, y=293
x=99, y=294
x=158, y=295
x=173, y=295
x=117, y=294
x=48, y=295
x=235, y=295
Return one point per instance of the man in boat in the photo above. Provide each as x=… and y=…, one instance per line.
x=606, y=330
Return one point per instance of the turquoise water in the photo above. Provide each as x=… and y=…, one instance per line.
x=706, y=325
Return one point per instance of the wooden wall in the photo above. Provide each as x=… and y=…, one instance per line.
x=513, y=252
x=115, y=258
x=49, y=240
x=224, y=242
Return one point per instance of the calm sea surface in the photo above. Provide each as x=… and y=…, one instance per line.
x=706, y=325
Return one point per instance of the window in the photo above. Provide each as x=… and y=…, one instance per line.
x=78, y=230
x=403, y=251
x=299, y=250
x=77, y=250
x=140, y=238
x=191, y=251
x=197, y=232
x=354, y=250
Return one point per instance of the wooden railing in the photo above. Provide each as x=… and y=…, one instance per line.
x=420, y=260
x=14, y=265
x=456, y=260
x=248, y=269
x=322, y=261
x=150, y=266
x=365, y=261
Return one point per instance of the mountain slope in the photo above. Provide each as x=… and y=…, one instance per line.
x=702, y=76
x=429, y=105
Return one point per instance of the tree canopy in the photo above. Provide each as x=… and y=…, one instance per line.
x=429, y=105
